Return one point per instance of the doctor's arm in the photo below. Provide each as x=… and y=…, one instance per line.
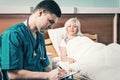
x=25, y=74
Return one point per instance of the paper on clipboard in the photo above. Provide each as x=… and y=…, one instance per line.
x=70, y=74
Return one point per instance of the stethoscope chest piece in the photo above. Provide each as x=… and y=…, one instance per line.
x=42, y=58
x=34, y=54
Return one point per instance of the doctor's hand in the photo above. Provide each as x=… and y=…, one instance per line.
x=56, y=74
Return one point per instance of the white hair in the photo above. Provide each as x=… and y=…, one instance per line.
x=77, y=22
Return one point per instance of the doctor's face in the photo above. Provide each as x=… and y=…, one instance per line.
x=45, y=21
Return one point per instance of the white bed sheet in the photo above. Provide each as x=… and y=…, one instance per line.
x=98, y=61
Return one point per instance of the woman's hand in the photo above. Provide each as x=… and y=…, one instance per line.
x=56, y=74
x=68, y=59
x=71, y=60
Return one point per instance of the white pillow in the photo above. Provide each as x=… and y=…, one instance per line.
x=56, y=36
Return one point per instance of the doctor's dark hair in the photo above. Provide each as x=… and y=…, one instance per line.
x=50, y=6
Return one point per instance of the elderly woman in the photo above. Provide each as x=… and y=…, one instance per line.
x=72, y=27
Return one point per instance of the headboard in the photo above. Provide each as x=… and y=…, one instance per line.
x=101, y=24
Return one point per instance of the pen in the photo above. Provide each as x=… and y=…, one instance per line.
x=60, y=67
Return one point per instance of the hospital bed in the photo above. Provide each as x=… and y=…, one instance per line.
x=106, y=60
x=51, y=46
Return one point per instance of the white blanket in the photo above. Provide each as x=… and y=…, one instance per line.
x=98, y=61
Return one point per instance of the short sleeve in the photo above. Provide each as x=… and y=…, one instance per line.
x=11, y=54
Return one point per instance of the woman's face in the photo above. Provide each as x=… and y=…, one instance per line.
x=72, y=29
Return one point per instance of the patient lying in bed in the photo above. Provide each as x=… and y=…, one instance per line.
x=78, y=52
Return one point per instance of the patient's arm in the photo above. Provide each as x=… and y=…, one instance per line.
x=64, y=56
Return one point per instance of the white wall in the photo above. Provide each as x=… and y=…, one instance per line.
x=65, y=3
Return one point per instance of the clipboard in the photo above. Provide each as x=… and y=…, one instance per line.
x=70, y=74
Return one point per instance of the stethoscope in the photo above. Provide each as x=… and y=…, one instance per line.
x=42, y=53
x=40, y=46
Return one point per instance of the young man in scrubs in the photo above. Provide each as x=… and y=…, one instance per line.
x=22, y=49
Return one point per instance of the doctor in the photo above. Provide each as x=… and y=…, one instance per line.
x=23, y=54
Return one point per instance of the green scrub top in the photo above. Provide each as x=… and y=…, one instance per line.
x=20, y=50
